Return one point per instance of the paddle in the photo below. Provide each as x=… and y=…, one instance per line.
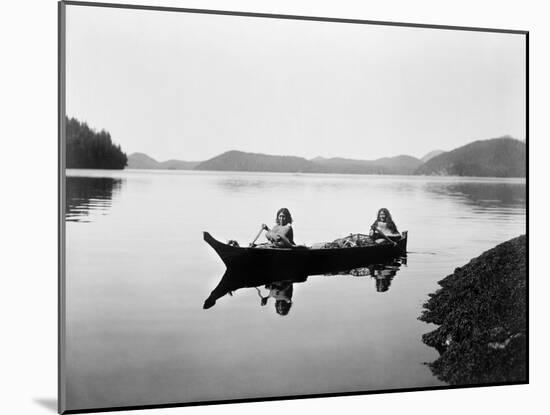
x=263, y=300
x=375, y=229
x=257, y=236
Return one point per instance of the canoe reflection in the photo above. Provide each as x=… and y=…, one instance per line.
x=278, y=284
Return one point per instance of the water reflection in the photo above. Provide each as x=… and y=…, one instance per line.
x=487, y=195
x=382, y=274
x=238, y=184
x=86, y=195
x=321, y=182
x=281, y=292
x=278, y=284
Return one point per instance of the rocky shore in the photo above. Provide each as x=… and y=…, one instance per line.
x=481, y=312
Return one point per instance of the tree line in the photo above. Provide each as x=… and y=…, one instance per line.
x=89, y=149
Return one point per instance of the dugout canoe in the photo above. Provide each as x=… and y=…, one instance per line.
x=304, y=259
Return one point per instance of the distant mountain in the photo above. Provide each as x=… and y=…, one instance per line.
x=386, y=165
x=345, y=166
x=497, y=157
x=179, y=165
x=399, y=164
x=143, y=161
x=431, y=155
x=241, y=161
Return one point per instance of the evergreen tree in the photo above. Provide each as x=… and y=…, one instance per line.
x=88, y=149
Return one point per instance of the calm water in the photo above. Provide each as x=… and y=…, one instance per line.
x=138, y=273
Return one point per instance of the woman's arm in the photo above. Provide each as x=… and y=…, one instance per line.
x=271, y=236
x=288, y=237
x=286, y=242
x=284, y=237
x=373, y=229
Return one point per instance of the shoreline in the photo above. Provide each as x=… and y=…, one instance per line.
x=489, y=179
x=481, y=311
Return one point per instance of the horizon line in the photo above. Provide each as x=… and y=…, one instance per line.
x=322, y=157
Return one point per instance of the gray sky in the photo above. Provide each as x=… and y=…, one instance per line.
x=189, y=86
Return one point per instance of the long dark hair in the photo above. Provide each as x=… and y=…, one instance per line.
x=287, y=214
x=282, y=307
x=389, y=220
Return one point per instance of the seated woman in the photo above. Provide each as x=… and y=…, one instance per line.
x=281, y=235
x=383, y=227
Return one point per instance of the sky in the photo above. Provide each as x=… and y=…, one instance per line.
x=191, y=86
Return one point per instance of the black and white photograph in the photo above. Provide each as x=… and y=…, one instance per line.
x=260, y=206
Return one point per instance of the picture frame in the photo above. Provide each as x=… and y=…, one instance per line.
x=101, y=192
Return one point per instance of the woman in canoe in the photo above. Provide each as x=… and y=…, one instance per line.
x=383, y=227
x=281, y=235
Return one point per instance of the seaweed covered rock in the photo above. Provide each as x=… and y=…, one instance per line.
x=482, y=317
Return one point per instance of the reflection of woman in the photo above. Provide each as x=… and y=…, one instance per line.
x=383, y=226
x=384, y=278
x=383, y=275
x=281, y=235
x=281, y=291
